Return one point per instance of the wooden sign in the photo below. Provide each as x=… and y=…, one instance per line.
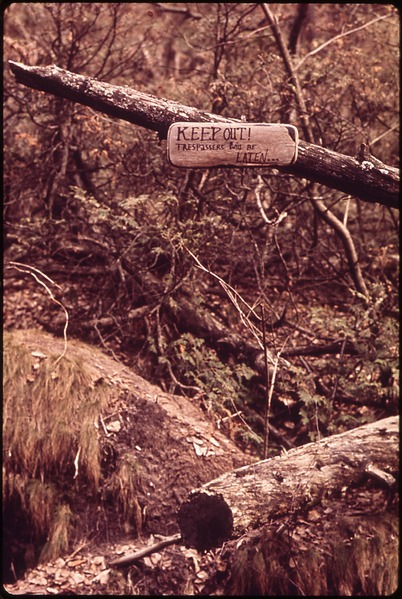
x=231, y=144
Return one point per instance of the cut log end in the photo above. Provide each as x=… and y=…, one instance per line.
x=205, y=521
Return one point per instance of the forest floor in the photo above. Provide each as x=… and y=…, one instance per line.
x=178, y=446
x=175, y=570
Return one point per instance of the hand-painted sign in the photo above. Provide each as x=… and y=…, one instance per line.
x=231, y=144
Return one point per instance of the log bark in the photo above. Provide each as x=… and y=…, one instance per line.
x=368, y=180
x=251, y=496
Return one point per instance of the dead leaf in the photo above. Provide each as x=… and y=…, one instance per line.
x=38, y=354
x=167, y=563
x=314, y=516
x=214, y=441
x=221, y=565
x=38, y=580
x=60, y=562
x=113, y=427
x=197, y=441
x=61, y=575
x=189, y=587
x=76, y=577
x=103, y=577
x=200, y=451
x=76, y=562
x=148, y=562
x=195, y=562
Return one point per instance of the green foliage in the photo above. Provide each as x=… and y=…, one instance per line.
x=346, y=390
x=200, y=366
x=314, y=411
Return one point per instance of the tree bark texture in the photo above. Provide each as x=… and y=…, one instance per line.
x=368, y=180
x=251, y=496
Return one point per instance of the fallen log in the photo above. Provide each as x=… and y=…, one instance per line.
x=368, y=179
x=344, y=546
x=251, y=496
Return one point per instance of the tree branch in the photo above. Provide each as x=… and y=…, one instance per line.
x=338, y=226
x=339, y=36
x=131, y=558
x=338, y=171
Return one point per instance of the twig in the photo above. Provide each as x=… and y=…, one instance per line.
x=269, y=386
x=286, y=443
x=339, y=363
x=77, y=550
x=225, y=418
x=23, y=268
x=267, y=405
x=339, y=228
x=346, y=213
x=339, y=36
x=130, y=558
x=269, y=400
x=374, y=141
x=108, y=349
x=234, y=297
x=239, y=414
x=257, y=194
x=177, y=382
x=104, y=426
x=76, y=462
x=287, y=60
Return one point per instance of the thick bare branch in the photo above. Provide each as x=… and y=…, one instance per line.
x=367, y=181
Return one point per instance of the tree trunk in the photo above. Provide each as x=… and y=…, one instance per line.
x=369, y=180
x=254, y=495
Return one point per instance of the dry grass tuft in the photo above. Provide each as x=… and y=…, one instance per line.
x=59, y=536
x=124, y=486
x=50, y=432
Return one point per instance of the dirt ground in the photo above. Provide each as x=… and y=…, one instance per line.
x=173, y=571
x=177, y=449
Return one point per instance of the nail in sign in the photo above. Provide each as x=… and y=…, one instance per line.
x=231, y=144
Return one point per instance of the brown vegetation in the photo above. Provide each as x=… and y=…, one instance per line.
x=194, y=280
x=93, y=451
